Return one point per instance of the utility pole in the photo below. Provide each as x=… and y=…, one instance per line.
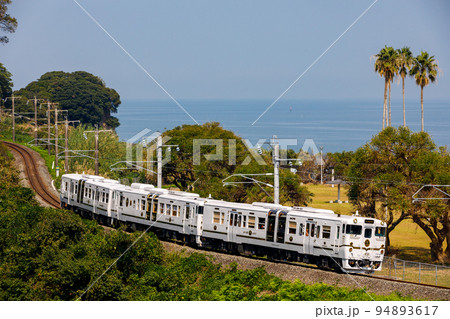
x=13, y=98
x=321, y=165
x=276, y=171
x=96, y=144
x=159, y=160
x=66, y=143
x=48, y=127
x=56, y=142
x=36, y=100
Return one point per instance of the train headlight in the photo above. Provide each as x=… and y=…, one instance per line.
x=350, y=249
x=382, y=251
x=367, y=243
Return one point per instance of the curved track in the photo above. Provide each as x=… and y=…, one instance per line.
x=32, y=172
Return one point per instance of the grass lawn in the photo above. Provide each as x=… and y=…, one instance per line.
x=408, y=241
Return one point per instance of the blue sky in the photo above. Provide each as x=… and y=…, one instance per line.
x=228, y=49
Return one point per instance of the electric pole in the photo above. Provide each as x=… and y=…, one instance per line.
x=159, y=159
x=56, y=142
x=48, y=127
x=276, y=171
x=36, y=100
x=13, y=98
x=66, y=143
x=321, y=165
x=96, y=144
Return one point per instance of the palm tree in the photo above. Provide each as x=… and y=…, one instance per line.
x=425, y=70
x=405, y=61
x=386, y=66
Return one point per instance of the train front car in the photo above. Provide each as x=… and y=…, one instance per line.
x=363, y=244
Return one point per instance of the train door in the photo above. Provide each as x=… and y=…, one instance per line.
x=235, y=223
x=271, y=221
x=336, y=240
x=310, y=237
x=187, y=219
x=281, y=227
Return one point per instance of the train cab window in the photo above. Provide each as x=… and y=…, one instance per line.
x=307, y=230
x=161, y=208
x=318, y=232
x=367, y=233
x=142, y=204
x=380, y=231
x=251, y=221
x=107, y=198
x=261, y=222
x=216, y=218
x=127, y=201
x=76, y=189
x=326, y=232
x=301, y=230
x=244, y=221
x=97, y=195
x=292, y=227
x=353, y=230
x=121, y=200
x=312, y=230
x=338, y=231
x=222, y=218
x=343, y=229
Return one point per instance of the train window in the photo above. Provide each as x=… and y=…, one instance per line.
x=307, y=230
x=97, y=196
x=174, y=210
x=237, y=220
x=187, y=211
x=121, y=200
x=301, y=230
x=318, y=232
x=338, y=231
x=343, y=229
x=367, y=233
x=312, y=230
x=200, y=210
x=292, y=227
x=261, y=222
x=326, y=232
x=353, y=229
x=222, y=218
x=251, y=221
x=216, y=218
x=142, y=204
x=127, y=202
x=161, y=208
x=76, y=189
x=380, y=231
x=244, y=222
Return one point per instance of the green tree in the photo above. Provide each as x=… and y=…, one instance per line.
x=6, y=83
x=83, y=94
x=385, y=173
x=206, y=175
x=405, y=61
x=425, y=70
x=7, y=23
x=386, y=66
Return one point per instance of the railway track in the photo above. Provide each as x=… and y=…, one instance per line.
x=32, y=172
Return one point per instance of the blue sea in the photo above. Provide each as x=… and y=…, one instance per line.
x=337, y=125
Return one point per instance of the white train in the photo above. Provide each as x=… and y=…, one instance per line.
x=304, y=234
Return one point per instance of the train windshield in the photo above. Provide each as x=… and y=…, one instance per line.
x=353, y=229
x=380, y=231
